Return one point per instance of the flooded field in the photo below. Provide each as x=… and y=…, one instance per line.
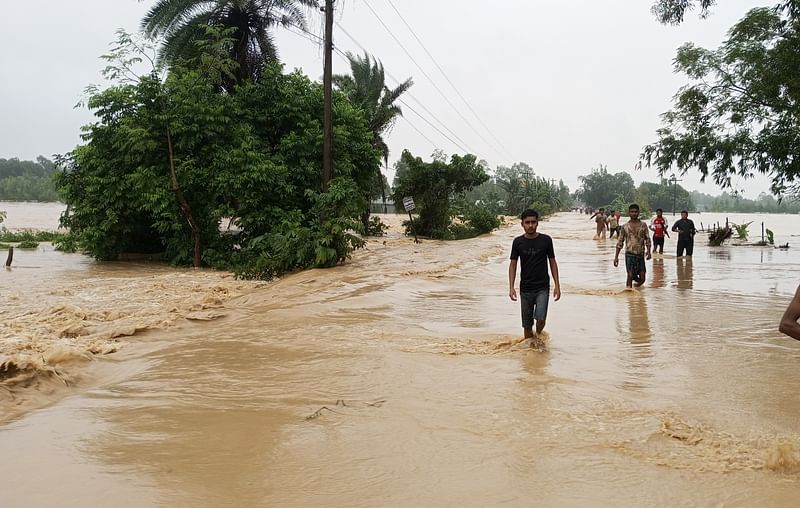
x=395, y=380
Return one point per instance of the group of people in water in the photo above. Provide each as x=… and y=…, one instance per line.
x=635, y=237
x=612, y=222
x=535, y=254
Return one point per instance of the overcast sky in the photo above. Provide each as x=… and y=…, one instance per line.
x=563, y=86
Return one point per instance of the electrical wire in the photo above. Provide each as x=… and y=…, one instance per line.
x=455, y=88
x=433, y=83
x=312, y=37
x=461, y=142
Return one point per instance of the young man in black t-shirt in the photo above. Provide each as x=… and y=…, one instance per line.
x=536, y=251
x=686, y=231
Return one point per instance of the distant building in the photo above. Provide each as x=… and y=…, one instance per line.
x=378, y=207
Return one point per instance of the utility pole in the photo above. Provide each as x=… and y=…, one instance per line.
x=674, y=182
x=327, y=85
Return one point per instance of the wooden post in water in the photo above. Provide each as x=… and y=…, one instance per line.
x=10, y=257
x=762, y=231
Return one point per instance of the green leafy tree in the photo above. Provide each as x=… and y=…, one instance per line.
x=433, y=185
x=518, y=183
x=366, y=88
x=522, y=189
x=739, y=115
x=673, y=12
x=182, y=23
x=601, y=188
x=156, y=132
x=254, y=156
x=27, y=180
x=663, y=195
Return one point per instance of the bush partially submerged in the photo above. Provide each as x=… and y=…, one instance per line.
x=29, y=235
x=481, y=219
x=323, y=239
x=433, y=185
x=474, y=221
x=255, y=155
x=375, y=227
x=717, y=236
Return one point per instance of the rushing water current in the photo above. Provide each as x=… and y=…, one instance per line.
x=396, y=380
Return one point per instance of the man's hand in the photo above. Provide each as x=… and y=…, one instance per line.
x=616, y=261
x=648, y=255
x=557, y=293
x=512, y=293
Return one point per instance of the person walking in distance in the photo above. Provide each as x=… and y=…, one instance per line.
x=686, y=231
x=613, y=224
x=635, y=237
x=535, y=252
x=659, y=228
x=600, y=220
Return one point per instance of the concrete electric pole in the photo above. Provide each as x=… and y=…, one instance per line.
x=327, y=85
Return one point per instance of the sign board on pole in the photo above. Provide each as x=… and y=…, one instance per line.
x=408, y=204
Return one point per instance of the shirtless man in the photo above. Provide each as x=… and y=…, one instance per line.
x=613, y=224
x=600, y=220
x=789, y=324
x=635, y=236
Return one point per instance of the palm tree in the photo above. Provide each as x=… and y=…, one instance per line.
x=366, y=88
x=182, y=23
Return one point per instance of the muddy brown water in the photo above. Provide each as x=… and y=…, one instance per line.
x=394, y=381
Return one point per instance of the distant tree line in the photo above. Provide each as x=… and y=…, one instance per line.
x=27, y=180
x=616, y=191
x=764, y=203
x=511, y=189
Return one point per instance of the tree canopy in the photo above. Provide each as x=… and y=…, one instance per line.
x=366, y=89
x=254, y=156
x=522, y=188
x=600, y=188
x=433, y=185
x=182, y=24
x=27, y=180
x=739, y=115
x=673, y=12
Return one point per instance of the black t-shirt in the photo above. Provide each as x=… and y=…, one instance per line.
x=685, y=228
x=534, y=253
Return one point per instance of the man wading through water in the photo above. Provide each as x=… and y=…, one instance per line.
x=634, y=235
x=536, y=251
x=686, y=232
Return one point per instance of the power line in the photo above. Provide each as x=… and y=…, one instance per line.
x=312, y=37
x=409, y=94
x=389, y=31
x=406, y=105
x=446, y=77
x=304, y=34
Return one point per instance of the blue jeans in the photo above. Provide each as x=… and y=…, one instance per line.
x=534, y=305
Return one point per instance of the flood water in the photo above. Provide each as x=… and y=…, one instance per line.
x=392, y=381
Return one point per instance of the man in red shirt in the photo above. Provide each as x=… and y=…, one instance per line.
x=659, y=227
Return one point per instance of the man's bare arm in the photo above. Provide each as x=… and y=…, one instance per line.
x=789, y=324
x=554, y=271
x=512, y=274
